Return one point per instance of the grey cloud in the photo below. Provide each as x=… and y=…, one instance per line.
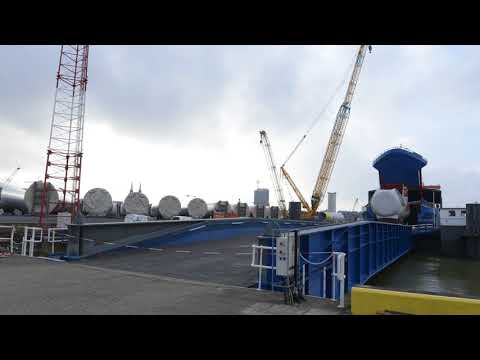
x=188, y=95
x=157, y=92
x=27, y=88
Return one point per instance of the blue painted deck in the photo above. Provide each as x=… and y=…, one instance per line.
x=221, y=230
x=101, y=238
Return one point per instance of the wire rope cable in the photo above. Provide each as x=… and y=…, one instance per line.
x=313, y=263
x=324, y=109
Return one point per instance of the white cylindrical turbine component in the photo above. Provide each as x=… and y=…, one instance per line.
x=12, y=198
x=136, y=203
x=97, y=202
x=331, y=216
x=116, y=210
x=388, y=203
x=169, y=207
x=33, y=197
x=197, y=208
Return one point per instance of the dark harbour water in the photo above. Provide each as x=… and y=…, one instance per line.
x=421, y=271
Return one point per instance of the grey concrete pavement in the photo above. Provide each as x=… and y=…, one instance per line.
x=36, y=286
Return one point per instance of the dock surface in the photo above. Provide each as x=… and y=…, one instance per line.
x=38, y=286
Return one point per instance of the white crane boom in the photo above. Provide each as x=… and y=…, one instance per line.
x=336, y=136
x=10, y=178
x=267, y=148
x=355, y=203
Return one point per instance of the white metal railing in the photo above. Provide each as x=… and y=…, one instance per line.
x=10, y=236
x=336, y=259
x=32, y=236
x=260, y=265
x=338, y=274
x=51, y=237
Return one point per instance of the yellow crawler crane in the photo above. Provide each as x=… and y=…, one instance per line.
x=334, y=143
x=296, y=190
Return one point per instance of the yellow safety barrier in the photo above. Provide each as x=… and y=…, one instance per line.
x=372, y=301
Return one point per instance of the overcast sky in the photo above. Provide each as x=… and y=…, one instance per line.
x=184, y=120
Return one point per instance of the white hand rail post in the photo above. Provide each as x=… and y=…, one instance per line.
x=24, y=242
x=334, y=273
x=51, y=238
x=260, y=269
x=324, y=282
x=303, y=281
x=32, y=243
x=11, y=239
x=341, y=277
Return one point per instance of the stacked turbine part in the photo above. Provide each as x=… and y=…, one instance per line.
x=169, y=207
x=97, y=202
x=136, y=203
x=197, y=208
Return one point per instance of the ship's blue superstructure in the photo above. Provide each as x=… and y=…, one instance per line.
x=400, y=166
x=401, y=169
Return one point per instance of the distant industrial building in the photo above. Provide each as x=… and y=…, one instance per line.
x=332, y=202
x=261, y=197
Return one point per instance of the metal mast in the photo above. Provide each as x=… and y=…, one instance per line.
x=336, y=136
x=64, y=154
x=267, y=148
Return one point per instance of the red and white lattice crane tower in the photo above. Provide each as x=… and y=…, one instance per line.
x=64, y=154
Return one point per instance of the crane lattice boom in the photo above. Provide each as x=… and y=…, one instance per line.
x=337, y=134
x=65, y=148
x=355, y=203
x=304, y=202
x=10, y=178
x=267, y=148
